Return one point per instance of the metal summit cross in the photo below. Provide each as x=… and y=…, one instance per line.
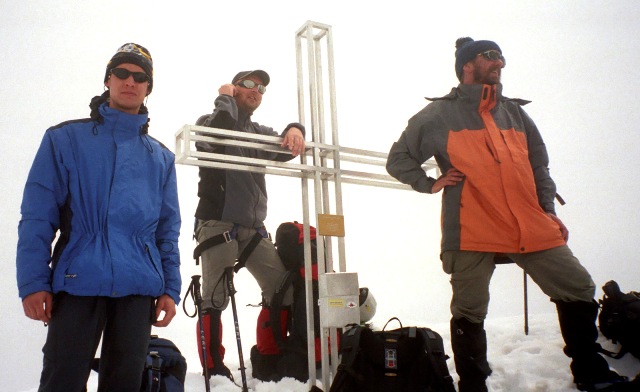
x=325, y=168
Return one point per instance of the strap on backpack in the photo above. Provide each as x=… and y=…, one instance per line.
x=173, y=363
x=434, y=348
x=390, y=320
x=350, y=345
x=349, y=349
x=612, y=354
x=275, y=307
x=154, y=369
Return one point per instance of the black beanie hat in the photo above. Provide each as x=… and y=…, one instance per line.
x=132, y=54
x=467, y=49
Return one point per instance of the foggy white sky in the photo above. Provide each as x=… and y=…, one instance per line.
x=576, y=60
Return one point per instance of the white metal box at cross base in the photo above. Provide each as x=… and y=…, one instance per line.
x=338, y=297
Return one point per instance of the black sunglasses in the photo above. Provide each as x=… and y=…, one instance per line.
x=248, y=83
x=493, y=55
x=138, y=77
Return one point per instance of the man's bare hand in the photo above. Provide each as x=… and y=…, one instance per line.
x=451, y=177
x=37, y=306
x=563, y=229
x=167, y=305
x=294, y=141
x=227, y=89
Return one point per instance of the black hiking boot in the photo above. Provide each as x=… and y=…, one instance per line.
x=612, y=383
x=590, y=370
x=221, y=370
x=469, y=344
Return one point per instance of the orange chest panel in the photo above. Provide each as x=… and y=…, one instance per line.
x=499, y=209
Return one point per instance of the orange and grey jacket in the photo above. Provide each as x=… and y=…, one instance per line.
x=502, y=203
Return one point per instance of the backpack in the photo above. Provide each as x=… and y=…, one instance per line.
x=406, y=359
x=284, y=354
x=619, y=319
x=165, y=368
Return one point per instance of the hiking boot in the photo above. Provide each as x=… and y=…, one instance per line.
x=612, y=382
x=590, y=370
x=465, y=385
x=212, y=329
x=220, y=370
x=469, y=344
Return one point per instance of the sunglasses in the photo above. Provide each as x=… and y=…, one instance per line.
x=247, y=83
x=493, y=55
x=138, y=77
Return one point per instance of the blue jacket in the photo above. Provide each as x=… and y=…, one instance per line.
x=109, y=191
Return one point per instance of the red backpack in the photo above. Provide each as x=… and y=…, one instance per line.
x=285, y=354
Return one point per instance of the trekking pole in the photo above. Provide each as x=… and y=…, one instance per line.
x=194, y=289
x=232, y=291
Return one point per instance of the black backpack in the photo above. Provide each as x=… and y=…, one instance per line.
x=291, y=360
x=165, y=368
x=619, y=319
x=404, y=360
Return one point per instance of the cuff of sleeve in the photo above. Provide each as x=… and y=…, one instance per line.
x=550, y=208
x=424, y=184
x=175, y=295
x=297, y=125
x=31, y=288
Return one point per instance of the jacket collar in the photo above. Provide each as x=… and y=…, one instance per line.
x=123, y=120
x=475, y=93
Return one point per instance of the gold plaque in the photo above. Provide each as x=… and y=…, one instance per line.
x=331, y=225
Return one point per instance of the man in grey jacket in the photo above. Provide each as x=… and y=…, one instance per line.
x=498, y=200
x=235, y=202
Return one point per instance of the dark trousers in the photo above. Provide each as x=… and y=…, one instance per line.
x=75, y=329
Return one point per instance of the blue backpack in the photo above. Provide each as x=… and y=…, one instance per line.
x=165, y=369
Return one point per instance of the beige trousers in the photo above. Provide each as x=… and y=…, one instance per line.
x=263, y=263
x=556, y=271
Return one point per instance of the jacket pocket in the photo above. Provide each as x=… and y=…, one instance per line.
x=153, y=256
x=517, y=145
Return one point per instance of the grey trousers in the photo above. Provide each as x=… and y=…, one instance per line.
x=263, y=263
x=556, y=271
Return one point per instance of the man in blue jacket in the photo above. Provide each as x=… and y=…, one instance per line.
x=107, y=191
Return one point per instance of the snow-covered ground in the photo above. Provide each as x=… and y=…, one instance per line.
x=533, y=363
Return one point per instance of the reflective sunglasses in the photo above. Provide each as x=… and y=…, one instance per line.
x=248, y=83
x=138, y=77
x=493, y=55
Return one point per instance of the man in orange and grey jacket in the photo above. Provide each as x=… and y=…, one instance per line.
x=498, y=201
